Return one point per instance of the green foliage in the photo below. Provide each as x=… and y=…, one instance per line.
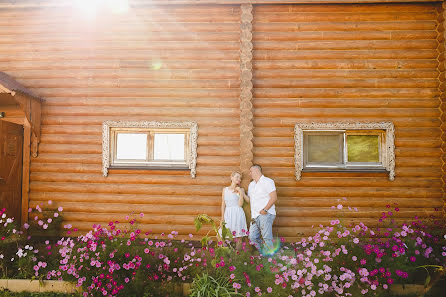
x=206, y=285
x=221, y=231
x=6, y=293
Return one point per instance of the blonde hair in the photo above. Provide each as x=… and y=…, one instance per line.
x=236, y=172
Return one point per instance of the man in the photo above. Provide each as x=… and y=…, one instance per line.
x=262, y=196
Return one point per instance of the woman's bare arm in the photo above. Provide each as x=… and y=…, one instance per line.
x=223, y=205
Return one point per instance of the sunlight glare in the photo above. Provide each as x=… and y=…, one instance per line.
x=119, y=6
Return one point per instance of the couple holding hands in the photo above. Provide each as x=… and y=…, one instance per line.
x=261, y=196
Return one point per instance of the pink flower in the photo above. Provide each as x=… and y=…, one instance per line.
x=269, y=289
x=60, y=208
x=339, y=206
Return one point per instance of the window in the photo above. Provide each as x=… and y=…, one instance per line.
x=344, y=147
x=157, y=145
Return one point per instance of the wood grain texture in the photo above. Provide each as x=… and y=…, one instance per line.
x=234, y=73
x=323, y=64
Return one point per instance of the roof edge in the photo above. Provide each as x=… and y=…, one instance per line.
x=64, y=3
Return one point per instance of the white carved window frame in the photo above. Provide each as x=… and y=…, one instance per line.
x=388, y=160
x=106, y=139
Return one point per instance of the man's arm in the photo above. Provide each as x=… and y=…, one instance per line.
x=245, y=197
x=272, y=200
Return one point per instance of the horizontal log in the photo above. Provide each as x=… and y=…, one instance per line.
x=144, y=102
x=149, y=73
x=346, y=103
x=340, y=54
x=351, y=8
x=112, y=45
x=376, y=203
x=345, y=92
x=321, y=202
x=400, y=171
x=72, y=120
x=223, y=180
x=136, y=54
x=219, y=170
x=325, y=26
x=376, y=38
x=355, y=37
x=147, y=34
x=396, y=192
x=116, y=111
x=127, y=64
x=132, y=28
x=345, y=83
x=398, y=122
x=347, y=112
x=370, y=16
x=151, y=16
x=324, y=63
x=125, y=208
x=132, y=83
x=138, y=92
x=291, y=43
x=340, y=73
x=124, y=189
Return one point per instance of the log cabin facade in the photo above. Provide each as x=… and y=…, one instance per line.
x=246, y=72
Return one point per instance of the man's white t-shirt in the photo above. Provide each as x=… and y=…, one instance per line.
x=259, y=195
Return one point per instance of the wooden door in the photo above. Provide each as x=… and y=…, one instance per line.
x=11, y=154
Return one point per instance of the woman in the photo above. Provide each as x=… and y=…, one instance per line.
x=231, y=207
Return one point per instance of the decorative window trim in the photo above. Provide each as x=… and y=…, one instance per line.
x=106, y=141
x=388, y=160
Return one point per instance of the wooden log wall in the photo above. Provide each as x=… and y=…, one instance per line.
x=322, y=63
x=366, y=62
x=442, y=78
x=169, y=63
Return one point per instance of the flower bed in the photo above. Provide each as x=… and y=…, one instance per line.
x=120, y=260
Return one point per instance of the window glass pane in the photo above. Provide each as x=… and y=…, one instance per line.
x=131, y=146
x=168, y=147
x=363, y=148
x=324, y=149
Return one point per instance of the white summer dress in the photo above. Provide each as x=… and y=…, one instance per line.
x=234, y=215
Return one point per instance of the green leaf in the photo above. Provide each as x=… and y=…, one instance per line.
x=427, y=281
x=204, y=240
x=198, y=224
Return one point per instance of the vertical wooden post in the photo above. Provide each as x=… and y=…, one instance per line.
x=246, y=114
x=441, y=37
x=25, y=171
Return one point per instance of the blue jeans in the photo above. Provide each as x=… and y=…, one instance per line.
x=262, y=228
